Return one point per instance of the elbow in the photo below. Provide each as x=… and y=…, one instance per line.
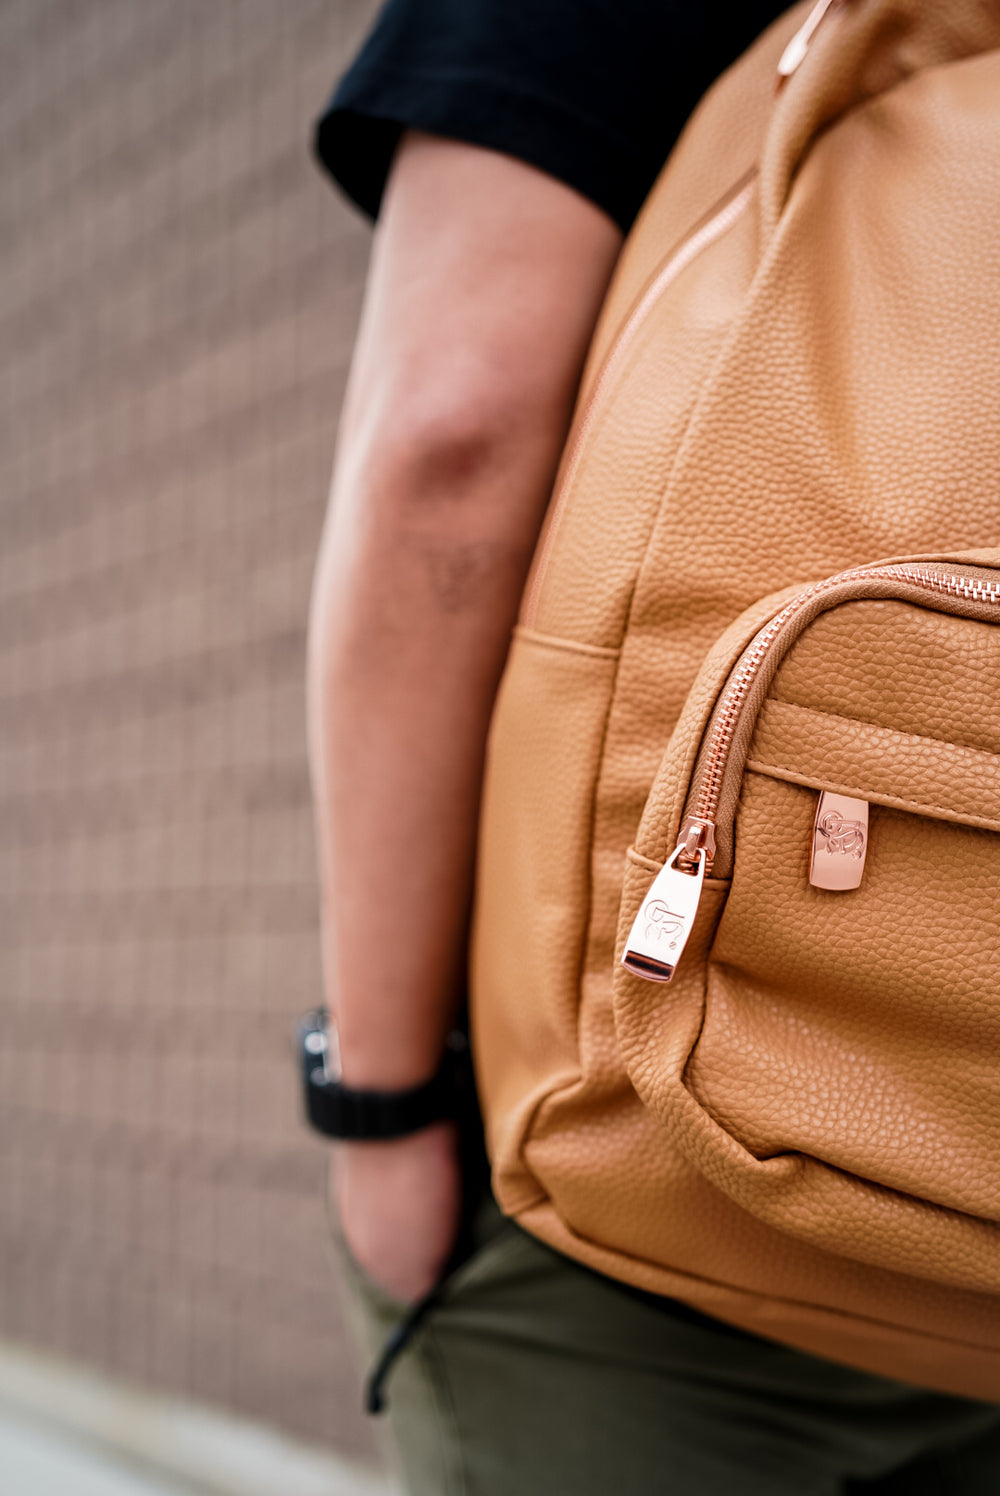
x=449, y=452
x=445, y=449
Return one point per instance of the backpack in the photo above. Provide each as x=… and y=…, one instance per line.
x=736, y=952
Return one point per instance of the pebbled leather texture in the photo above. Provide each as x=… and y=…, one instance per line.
x=801, y=1133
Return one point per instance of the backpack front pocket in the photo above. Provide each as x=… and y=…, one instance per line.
x=822, y=1028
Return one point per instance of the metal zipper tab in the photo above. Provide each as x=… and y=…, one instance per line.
x=794, y=54
x=661, y=928
x=840, y=842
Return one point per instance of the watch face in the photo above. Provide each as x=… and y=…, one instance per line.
x=320, y=1040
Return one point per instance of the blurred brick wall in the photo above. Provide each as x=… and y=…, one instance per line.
x=178, y=292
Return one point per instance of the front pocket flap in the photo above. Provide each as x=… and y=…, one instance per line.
x=922, y=775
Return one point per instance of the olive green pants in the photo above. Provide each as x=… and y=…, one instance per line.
x=534, y=1375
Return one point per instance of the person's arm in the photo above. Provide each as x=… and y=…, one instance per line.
x=485, y=283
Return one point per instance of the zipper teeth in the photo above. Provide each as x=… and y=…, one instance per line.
x=733, y=698
x=678, y=262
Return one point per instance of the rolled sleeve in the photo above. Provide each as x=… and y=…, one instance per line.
x=594, y=92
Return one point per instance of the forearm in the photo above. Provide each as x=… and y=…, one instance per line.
x=485, y=284
x=411, y=627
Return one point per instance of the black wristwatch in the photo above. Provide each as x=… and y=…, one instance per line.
x=337, y=1111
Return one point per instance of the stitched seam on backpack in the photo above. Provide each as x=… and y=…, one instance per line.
x=570, y=646
x=877, y=797
x=795, y=707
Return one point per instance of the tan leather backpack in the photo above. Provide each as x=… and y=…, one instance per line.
x=740, y=748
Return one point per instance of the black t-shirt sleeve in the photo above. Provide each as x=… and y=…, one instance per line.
x=595, y=92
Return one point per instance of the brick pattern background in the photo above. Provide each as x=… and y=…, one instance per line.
x=178, y=294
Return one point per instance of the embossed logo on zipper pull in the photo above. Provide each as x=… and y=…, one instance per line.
x=840, y=842
x=660, y=930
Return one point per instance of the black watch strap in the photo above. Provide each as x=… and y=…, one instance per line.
x=338, y=1111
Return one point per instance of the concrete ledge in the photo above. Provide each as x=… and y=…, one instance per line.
x=210, y=1453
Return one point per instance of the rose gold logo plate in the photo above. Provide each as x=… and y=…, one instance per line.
x=840, y=842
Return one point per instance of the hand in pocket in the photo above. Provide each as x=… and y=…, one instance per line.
x=400, y=1207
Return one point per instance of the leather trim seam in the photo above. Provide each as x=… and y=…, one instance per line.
x=812, y=713
x=892, y=802
x=714, y=225
x=570, y=646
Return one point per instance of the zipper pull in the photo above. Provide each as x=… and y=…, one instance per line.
x=794, y=54
x=661, y=928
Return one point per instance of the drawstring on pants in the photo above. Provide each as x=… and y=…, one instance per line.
x=395, y=1345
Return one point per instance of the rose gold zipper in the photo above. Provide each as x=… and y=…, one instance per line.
x=647, y=953
x=675, y=264
x=698, y=827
